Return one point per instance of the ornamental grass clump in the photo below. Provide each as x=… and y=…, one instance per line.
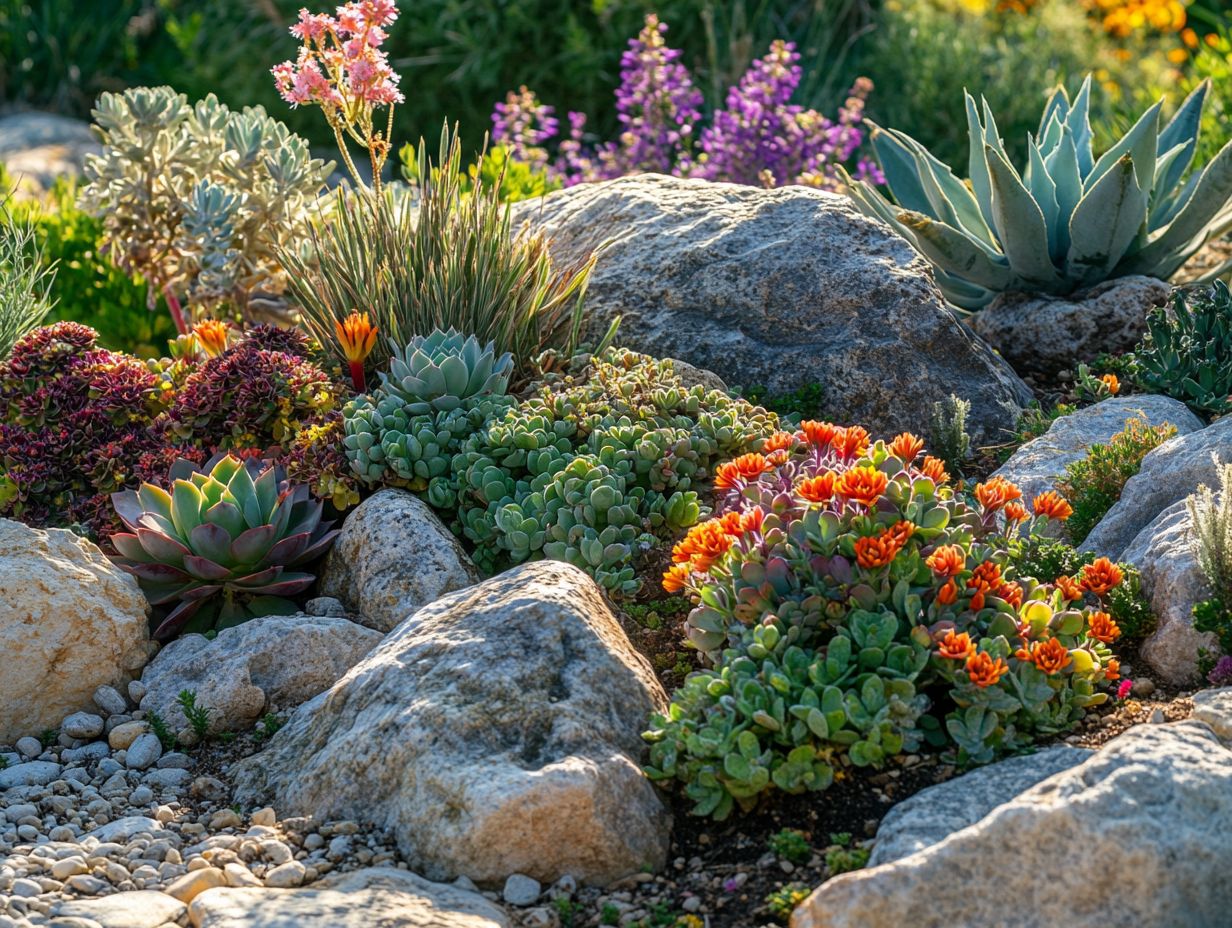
x=214, y=545
x=25, y=280
x=1067, y=220
x=851, y=603
x=597, y=468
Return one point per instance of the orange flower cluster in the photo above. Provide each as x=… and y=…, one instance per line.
x=211, y=335
x=863, y=485
x=819, y=489
x=733, y=474
x=1016, y=512
x=736, y=523
x=1053, y=505
x=879, y=550
x=1070, y=588
x=985, y=579
x=779, y=441
x=705, y=544
x=1050, y=655
x=906, y=447
x=955, y=646
x=996, y=492
x=934, y=469
x=1100, y=576
x=983, y=671
x=1112, y=383
x=1103, y=628
x=850, y=442
x=947, y=561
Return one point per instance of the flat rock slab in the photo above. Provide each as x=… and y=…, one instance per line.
x=142, y=909
x=379, y=897
x=783, y=289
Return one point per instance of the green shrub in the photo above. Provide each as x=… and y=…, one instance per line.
x=948, y=431
x=1093, y=485
x=1187, y=353
x=791, y=844
x=1211, y=513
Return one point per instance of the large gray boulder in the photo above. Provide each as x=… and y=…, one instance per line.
x=70, y=622
x=1040, y=464
x=1169, y=473
x=1174, y=583
x=393, y=556
x=266, y=664
x=1042, y=334
x=779, y=288
x=495, y=731
x=1138, y=834
x=376, y=897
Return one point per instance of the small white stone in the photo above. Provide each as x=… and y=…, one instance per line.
x=110, y=701
x=143, y=752
x=29, y=747
x=239, y=876
x=521, y=890
x=265, y=816
x=69, y=866
x=82, y=725
x=286, y=876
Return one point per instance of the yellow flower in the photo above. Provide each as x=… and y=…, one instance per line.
x=357, y=336
x=211, y=335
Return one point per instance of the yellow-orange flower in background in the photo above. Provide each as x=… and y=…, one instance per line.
x=211, y=335
x=955, y=646
x=1100, y=576
x=818, y=433
x=1112, y=383
x=906, y=447
x=1011, y=593
x=862, y=485
x=934, y=469
x=1104, y=628
x=1053, y=505
x=819, y=489
x=1113, y=670
x=983, y=671
x=1015, y=512
x=734, y=473
x=985, y=579
x=705, y=543
x=948, y=594
x=1049, y=655
x=357, y=336
x=995, y=492
x=676, y=578
x=779, y=441
x=852, y=441
x=946, y=561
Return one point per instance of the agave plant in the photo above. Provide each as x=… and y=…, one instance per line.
x=439, y=372
x=1068, y=220
x=220, y=544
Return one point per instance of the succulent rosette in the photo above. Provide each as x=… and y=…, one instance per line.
x=219, y=546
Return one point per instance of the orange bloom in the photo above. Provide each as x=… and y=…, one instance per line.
x=946, y=561
x=211, y=335
x=1053, y=505
x=676, y=578
x=948, y=594
x=851, y=442
x=862, y=485
x=1104, y=628
x=357, y=336
x=903, y=530
x=1015, y=512
x=1070, y=588
x=779, y=441
x=705, y=543
x=1110, y=381
x=986, y=578
x=994, y=493
x=879, y=550
x=1011, y=593
x=817, y=489
x=740, y=471
x=1100, y=576
x=778, y=457
x=752, y=519
x=906, y=447
x=984, y=671
x=1113, y=670
x=1050, y=656
x=730, y=522
x=934, y=469
x=955, y=646
x=818, y=433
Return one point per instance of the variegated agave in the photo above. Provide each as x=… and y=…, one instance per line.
x=1069, y=220
x=218, y=547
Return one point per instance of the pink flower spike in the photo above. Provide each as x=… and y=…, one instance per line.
x=379, y=12
x=1124, y=688
x=312, y=25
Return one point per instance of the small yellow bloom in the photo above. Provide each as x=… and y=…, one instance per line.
x=357, y=336
x=211, y=335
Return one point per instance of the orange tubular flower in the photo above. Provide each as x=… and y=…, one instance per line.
x=934, y=469
x=676, y=578
x=906, y=447
x=1103, y=628
x=948, y=594
x=1015, y=512
x=1070, y=588
x=1110, y=381
x=852, y=441
x=983, y=671
x=740, y=471
x=1100, y=576
x=946, y=561
x=1053, y=505
x=357, y=336
x=818, y=433
x=862, y=485
x=879, y=550
x=211, y=335
x=994, y=493
x=705, y=543
x=1113, y=670
x=1011, y=593
x=955, y=646
x=1050, y=656
x=985, y=579
x=817, y=489
x=779, y=441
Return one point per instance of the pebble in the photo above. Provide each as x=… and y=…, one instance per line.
x=110, y=701
x=325, y=606
x=192, y=884
x=265, y=816
x=29, y=747
x=286, y=876
x=123, y=735
x=136, y=691
x=521, y=890
x=84, y=726
x=238, y=875
x=1143, y=686
x=143, y=752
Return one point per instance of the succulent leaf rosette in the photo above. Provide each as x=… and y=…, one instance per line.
x=852, y=602
x=219, y=545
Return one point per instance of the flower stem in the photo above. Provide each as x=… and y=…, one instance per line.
x=358, y=380
x=177, y=311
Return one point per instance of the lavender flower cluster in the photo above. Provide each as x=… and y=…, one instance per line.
x=759, y=138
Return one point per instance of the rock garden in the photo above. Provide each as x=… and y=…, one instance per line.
x=713, y=514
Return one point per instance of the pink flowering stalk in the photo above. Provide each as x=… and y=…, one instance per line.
x=342, y=69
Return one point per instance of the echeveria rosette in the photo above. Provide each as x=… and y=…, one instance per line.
x=441, y=371
x=218, y=547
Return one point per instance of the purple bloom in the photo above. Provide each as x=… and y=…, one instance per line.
x=524, y=124
x=1222, y=674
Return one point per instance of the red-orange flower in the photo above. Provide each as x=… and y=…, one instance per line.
x=906, y=447
x=1015, y=512
x=730, y=521
x=676, y=578
x=1050, y=655
x=934, y=469
x=818, y=433
x=948, y=594
x=704, y=544
x=880, y=549
x=779, y=441
x=986, y=578
x=211, y=335
x=1104, y=628
x=955, y=646
x=946, y=561
x=1053, y=505
x=1011, y=593
x=862, y=485
x=1070, y=588
x=357, y=336
x=984, y=671
x=1100, y=576
x=995, y=492
x=740, y=471
x=851, y=442
x=817, y=489
x=1113, y=670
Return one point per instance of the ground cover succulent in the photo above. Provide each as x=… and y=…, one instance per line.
x=1187, y=350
